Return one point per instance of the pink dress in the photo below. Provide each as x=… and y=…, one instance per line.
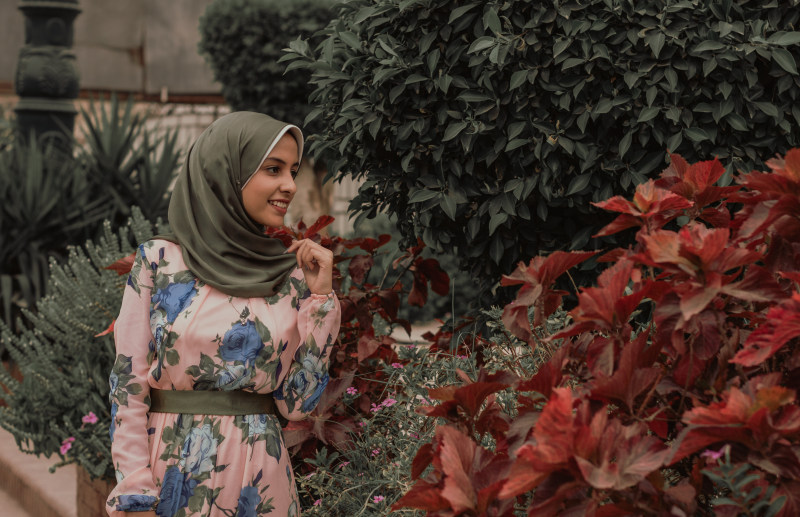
x=176, y=333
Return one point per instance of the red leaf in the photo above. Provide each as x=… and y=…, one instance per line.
x=419, y=292
x=550, y=448
x=421, y=460
x=651, y=207
x=782, y=325
x=359, y=267
x=758, y=413
x=367, y=345
x=472, y=395
x=536, y=279
x=548, y=376
x=456, y=453
x=625, y=455
x=124, y=265
x=423, y=496
x=321, y=222
x=432, y=272
x=109, y=330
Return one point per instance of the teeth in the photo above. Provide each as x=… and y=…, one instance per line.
x=281, y=204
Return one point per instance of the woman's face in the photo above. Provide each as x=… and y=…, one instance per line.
x=270, y=190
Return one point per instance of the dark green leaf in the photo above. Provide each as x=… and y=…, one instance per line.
x=453, y=130
x=785, y=59
x=460, y=11
x=420, y=196
x=518, y=78
x=696, y=134
x=579, y=183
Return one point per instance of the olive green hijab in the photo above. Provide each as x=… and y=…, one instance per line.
x=220, y=243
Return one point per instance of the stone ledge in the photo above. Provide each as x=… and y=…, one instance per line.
x=28, y=480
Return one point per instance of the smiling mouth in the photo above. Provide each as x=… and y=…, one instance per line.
x=280, y=204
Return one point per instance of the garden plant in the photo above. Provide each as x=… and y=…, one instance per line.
x=54, y=198
x=490, y=127
x=671, y=389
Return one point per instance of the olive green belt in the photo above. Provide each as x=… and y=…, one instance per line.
x=236, y=402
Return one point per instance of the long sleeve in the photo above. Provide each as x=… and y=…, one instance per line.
x=129, y=396
x=318, y=321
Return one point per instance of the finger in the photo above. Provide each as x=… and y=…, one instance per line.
x=322, y=256
x=294, y=245
x=308, y=258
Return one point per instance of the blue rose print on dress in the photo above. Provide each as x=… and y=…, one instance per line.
x=176, y=489
x=233, y=377
x=198, y=451
x=310, y=382
x=135, y=503
x=113, y=382
x=174, y=298
x=158, y=323
x=256, y=424
x=113, y=426
x=248, y=501
x=241, y=343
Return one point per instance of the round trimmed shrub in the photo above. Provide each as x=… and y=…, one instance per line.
x=242, y=41
x=489, y=127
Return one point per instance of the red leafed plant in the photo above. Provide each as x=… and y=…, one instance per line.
x=359, y=345
x=686, y=345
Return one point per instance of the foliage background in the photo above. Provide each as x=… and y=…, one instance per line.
x=489, y=127
x=242, y=41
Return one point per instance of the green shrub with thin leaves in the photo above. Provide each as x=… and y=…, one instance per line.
x=242, y=41
x=489, y=127
x=65, y=356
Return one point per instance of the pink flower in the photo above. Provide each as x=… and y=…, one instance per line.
x=352, y=390
x=362, y=424
x=414, y=435
x=397, y=365
x=375, y=408
x=378, y=498
x=389, y=402
x=318, y=502
x=411, y=346
x=375, y=452
x=344, y=464
x=714, y=455
x=66, y=445
x=462, y=357
x=91, y=418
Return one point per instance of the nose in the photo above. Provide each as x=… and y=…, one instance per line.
x=288, y=185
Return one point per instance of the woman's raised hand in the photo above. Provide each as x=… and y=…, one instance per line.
x=316, y=263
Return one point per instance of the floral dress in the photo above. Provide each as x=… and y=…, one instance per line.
x=176, y=333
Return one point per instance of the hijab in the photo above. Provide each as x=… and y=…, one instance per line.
x=220, y=243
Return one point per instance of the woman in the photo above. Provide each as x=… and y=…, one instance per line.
x=222, y=329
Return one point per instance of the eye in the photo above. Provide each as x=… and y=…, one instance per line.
x=272, y=170
x=294, y=173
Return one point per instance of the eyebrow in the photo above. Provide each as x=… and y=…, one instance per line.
x=295, y=164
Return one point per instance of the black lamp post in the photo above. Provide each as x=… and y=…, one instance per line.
x=47, y=76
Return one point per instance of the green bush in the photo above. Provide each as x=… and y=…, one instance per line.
x=64, y=361
x=242, y=41
x=489, y=127
x=52, y=198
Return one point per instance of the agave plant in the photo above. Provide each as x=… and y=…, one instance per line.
x=127, y=161
x=47, y=204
